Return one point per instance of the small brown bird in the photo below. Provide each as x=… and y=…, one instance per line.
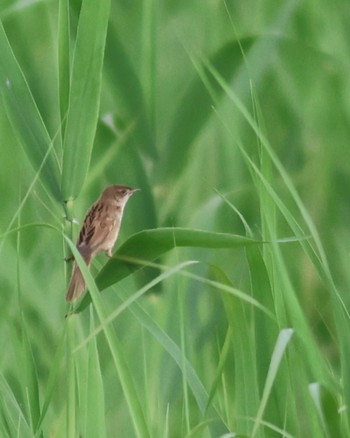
x=99, y=232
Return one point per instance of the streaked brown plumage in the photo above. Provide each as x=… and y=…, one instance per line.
x=99, y=232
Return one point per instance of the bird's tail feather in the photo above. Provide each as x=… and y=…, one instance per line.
x=77, y=285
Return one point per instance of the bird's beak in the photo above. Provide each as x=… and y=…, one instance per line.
x=135, y=190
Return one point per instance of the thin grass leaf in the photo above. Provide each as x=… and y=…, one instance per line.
x=274, y=428
x=51, y=384
x=244, y=374
x=84, y=95
x=29, y=375
x=199, y=429
x=126, y=303
x=220, y=366
x=282, y=342
x=26, y=121
x=266, y=330
x=29, y=227
x=327, y=408
x=94, y=425
x=343, y=327
x=31, y=379
x=183, y=348
x=12, y=412
x=225, y=285
x=71, y=381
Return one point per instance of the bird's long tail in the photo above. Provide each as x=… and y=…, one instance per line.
x=77, y=283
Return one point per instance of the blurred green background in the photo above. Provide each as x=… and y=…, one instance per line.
x=232, y=117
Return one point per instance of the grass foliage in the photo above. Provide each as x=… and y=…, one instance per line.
x=225, y=309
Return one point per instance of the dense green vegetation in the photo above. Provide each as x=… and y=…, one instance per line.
x=225, y=310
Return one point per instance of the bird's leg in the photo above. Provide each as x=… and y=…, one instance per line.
x=109, y=253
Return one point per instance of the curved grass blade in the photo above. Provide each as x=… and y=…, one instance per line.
x=151, y=244
x=84, y=95
x=26, y=120
x=129, y=301
x=51, y=383
x=282, y=342
x=326, y=405
x=13, y=418
x=223, y=286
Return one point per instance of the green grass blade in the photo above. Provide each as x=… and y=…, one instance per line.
x=28, y=366
x=242, y=378
x=71, y=381
x=91, y=391
x=26, y=120
x=126, y=303
x=151, y=244
x=282, y=342
x=12, y=414
x=126, y=379
x=30, y=376
x=220, y=366
x=326, y=405
x=84, y=96
x=51, y=383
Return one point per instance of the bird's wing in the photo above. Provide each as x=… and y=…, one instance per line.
x=95, y=230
